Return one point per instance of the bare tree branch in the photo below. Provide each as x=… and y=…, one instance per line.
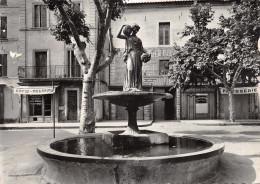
x=110, y=58
x=99, y=9
x=237, y=74
x=83, y=60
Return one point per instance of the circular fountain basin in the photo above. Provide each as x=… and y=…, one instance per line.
x=87, y=159
x=128, y=98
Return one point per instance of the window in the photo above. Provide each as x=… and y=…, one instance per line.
x=40, y=105
x=163, y=67
x=73, y=65
x=76, y=6
x=3, y=2
x=47, y=105
x=164, y=33
x=3, y=24
x=201, y=103
x=35, y=105
x=41, y=64
x=40, y=16
x=3, y=65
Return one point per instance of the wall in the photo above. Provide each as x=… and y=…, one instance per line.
x=11, y=101
x=148, y=18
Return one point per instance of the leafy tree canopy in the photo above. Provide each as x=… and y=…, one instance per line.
x=62, y=31
x=227, y=53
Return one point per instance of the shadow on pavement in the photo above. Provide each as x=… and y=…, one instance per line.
x=236, y=169
x=250, y=132
x=205, y=132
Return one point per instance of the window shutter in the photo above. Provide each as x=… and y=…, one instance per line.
x=3, y=2
x=3, y=62
x=3, y=27
x=36, y=16
x=43, y=16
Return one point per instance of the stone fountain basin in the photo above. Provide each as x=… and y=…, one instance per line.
x=195, y=167
x=126, y=98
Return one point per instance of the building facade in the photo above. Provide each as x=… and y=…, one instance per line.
x=48, y=76
x=41, y=81
x=160, y=23
x=10, y=44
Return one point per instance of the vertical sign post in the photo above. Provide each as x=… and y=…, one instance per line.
x=53, y=111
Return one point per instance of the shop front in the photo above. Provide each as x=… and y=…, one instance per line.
x=199, y=103
x=38, y=103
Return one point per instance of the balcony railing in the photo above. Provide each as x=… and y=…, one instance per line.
x=49, y=72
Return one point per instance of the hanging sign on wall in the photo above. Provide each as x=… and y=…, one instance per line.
x=243, y=90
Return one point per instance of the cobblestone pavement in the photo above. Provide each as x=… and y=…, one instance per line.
x=240, y=163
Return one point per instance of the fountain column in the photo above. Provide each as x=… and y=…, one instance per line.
x=132, y=128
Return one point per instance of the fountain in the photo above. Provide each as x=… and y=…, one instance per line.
x=133, y=155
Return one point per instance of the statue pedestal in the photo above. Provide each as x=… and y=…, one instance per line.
x=132, y=100
x=141, y=140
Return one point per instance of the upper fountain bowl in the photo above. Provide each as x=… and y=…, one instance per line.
x=127, y=98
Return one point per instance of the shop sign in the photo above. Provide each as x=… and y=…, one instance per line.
x=34, y=90
x=244, y=90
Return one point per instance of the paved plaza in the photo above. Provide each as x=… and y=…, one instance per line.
x=240, y=162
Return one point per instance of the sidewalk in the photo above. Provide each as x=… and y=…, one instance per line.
x=103, y=124
x=221, y=122
x=123, y=123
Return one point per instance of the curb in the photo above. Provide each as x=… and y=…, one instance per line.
x=68, y=127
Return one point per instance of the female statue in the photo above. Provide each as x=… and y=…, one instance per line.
x=134, y=55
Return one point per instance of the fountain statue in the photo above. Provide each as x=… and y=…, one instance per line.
x=132, y=155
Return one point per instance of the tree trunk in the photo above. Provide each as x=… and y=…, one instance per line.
x=87, y=116
x=231, y=107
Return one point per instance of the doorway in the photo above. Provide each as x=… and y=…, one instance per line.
x=72, y=104
x=41, y=64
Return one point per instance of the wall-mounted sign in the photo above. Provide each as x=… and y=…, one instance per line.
x=243, y=90
x=35, y=90
x=35, y=99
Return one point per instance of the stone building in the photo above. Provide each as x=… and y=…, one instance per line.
x=160, y=22
x=50, y=79
x=40, y=79
x=10, y=103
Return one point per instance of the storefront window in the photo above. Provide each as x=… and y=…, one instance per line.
x=40, y=105
x=47, y=105
x=201, y=103
x=35, y=102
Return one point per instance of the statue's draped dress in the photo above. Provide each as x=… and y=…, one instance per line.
x=133, y=77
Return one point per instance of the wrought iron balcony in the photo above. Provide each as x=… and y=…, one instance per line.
x=49, y=72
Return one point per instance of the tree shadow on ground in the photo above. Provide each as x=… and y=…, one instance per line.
x=224, y=136
x=236, y=169
x=250, y=132
x=205, y=132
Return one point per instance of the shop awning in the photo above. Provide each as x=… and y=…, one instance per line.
x=35, y=90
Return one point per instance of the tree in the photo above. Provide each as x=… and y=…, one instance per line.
x=71, y=28
x=226, y=55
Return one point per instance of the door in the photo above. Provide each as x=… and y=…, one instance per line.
x=41, y=64
x=170, y=110
x=74, y=69
x=159, y=106
x=191, y=106
x=202, y=106
x=72, y=105
x=1, y=104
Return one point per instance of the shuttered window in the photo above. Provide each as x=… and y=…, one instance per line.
x=3, y=2
x=40, y=16
x=3, y=65
x=3, y=24
x=164, y=33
